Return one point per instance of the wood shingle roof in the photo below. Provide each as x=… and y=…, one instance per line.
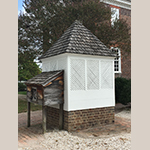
x=79, y=40
x=44, y=78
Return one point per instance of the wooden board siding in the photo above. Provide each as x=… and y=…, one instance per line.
x=54, y=92
x=39, y=95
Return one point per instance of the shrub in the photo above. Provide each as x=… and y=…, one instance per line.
x=123, y=90
x=21, y=87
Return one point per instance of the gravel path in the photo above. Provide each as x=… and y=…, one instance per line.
x=62, y=140
x=65, y=141
x=124, y=114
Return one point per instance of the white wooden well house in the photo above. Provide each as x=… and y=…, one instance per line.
x=88, y=65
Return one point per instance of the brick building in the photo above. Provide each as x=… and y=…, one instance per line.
x=122, y=10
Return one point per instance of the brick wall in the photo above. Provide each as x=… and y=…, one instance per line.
x=52, y=117
x=125, y=57
x=80, y=119
x=125, y=14
x=125, y=66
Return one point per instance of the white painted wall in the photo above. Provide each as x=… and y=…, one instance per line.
x=58, y=62
x=81, y=71
x=96, y=96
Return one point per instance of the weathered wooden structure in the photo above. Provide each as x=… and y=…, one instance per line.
x=46, y=89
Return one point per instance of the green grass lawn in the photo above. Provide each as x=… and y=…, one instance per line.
x=22, y=106
x=22, y=92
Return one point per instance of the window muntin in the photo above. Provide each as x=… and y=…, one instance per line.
x=92, y=75
x=77, y=74
x=106, y=74
x=117, y=61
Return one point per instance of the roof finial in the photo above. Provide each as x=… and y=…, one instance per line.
x=79, y=21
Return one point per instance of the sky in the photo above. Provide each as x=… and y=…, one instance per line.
x=20, y=2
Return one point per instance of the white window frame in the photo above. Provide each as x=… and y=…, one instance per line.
x=117, y=59
x=115, y=15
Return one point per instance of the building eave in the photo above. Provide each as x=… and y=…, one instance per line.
x=119, y=3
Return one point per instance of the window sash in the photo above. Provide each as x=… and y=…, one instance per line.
x=117, y=60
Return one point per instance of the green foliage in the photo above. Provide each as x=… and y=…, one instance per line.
x=26, y=67
x=123, y=90
x=22, y=92
x=22, y=106
x=46, y=20
x=21, y=87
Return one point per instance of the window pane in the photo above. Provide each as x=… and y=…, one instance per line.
x=117, y=60
x=115, y=15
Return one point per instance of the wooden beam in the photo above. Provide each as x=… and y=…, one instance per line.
x=28, y=114
x=61, y=116
x=44, y=118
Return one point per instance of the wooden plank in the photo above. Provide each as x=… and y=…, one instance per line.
x=61, y=82
x=33, y=85
x=40, y=96
x=53, y=99
x=54, y=86
x=59, y=78
x=51, y=90
x=44, y=119
x=51, y=102
x=39, y=92
x=29, y=88
x=43, y=113
x=50, y=80
x=28, y=114
x=39, y=101
x=61, y=116
x=48, y=84
x=54, y=77
x=28, y=99
x=29, y=94
x=54, y=95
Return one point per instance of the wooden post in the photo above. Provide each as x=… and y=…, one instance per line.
x=28, y=114
x=44, y=118
x=61, y=116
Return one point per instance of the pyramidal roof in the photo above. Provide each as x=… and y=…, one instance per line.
x=78, y=39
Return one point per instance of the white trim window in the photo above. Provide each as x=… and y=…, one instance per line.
x=114, y=15
x=117, y=61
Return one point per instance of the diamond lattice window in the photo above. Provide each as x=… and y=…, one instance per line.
x=106, y=74
x=92, y=74
x=77, y=74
